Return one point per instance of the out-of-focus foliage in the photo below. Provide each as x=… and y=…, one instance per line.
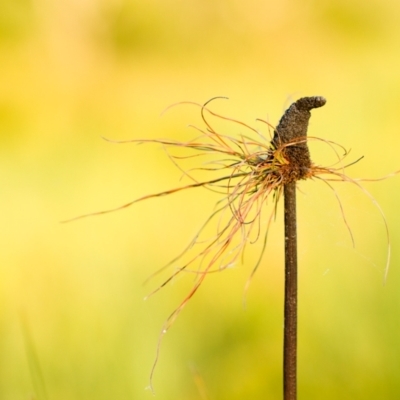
x=73, y=324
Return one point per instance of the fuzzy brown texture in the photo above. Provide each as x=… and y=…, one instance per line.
x=291, y=133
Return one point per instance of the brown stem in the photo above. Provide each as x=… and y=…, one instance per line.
x=292, y=127
x=290, y=313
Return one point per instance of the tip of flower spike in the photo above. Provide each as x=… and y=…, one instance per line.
x=308, y=103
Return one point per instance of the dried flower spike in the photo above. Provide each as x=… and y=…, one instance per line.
x=291, y=132
x=292, y=128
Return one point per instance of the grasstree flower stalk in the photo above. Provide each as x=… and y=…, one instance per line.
x=249, y=171
x=292, y=128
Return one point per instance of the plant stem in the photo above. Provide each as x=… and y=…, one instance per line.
x=292, y=132
x=290, y=312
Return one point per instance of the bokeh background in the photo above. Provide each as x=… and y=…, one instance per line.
x=73, y=323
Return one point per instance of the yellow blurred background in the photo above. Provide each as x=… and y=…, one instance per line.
x=73, y=323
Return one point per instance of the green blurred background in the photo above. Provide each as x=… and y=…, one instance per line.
x=73, y=323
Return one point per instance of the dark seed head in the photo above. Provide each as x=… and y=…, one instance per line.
x=294, y=122
x=308, y=103
x=292, y=131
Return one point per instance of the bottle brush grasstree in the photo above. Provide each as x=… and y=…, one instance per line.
x=249, y=169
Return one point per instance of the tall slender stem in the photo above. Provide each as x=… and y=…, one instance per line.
x=292, y=132
x=290, y=312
